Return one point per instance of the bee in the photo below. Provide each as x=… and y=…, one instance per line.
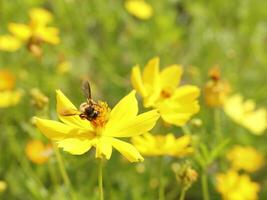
x=89, y=110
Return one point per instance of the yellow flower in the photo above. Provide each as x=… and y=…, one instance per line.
x=159, y=145
x=159, y=90
x=37, y=152
x=3, y=186
x=216, y=90
x=9, y=43
x=7, y=80
x=139, y=9
x=245, y=114
x=233, y=186
x=63, y=67
x=245, y=158
x=8, y=96
x=32, y=34
x=76, y=135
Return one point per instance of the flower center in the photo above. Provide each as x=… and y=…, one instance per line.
x=165, y=94
x=101, y=114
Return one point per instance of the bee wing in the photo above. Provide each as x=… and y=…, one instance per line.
x=69, y=112
x=86, y=89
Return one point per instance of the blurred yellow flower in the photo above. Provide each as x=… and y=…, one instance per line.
x=77, y=136
x=159, y=145
x=139, y=8
x=233, y=186
x=38, y=99
x=159, y=90
x=9, y=43
x=8, y=96
x=33, y=34
x=216, y=90
x=245, y=158
x=245, y=114
x=7, y=80
x=63, y=67
x=38, y=152
x=3, y=186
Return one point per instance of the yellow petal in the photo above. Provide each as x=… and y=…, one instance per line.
x=64, y=105
x=9, y=98
x=151, y=72
x=170, y=77
x=21, y=31
x=125, y=110
x=40, y=16
x=256, y=121
x=127, y=150
x=9, y=43
x=137, y=81
x=103, y=148
x=139, y=9
x=48, y=34
x=186, y=93
x=54, y=130
x=151, y=79
x=140, y=124
x=75, y=146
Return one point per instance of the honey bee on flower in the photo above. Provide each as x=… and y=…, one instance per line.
x=96, y=125
x=160, y=90
x=32, y=35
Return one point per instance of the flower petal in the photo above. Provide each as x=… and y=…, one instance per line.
x=40, y=16
x=170, y=77
x=103, y=148
x=54, y=130
x=64, y=105
x=185, y=94
x=137, y=81
x=139, y=9
x=75, y=146
x=127, y=150
x=124, y=111
x=21, y=31
x=9, y=43
x=48, y=34
x=137, y=126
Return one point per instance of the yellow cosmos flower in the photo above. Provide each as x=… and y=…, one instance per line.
x=76, y=135
x=9, y=43
x=3, y=186
x=33, y=34
x=8, y=96
x=245, y=114
x=139, y=8
x=37, y=152
x=216, y=90
x=159, y=145
x=245, y=158
x=159, y=90
x=233, y=186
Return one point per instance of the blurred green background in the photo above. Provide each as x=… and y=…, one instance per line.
x=102, y=41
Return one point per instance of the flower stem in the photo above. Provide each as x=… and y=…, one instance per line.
x=217, y=123
x=182, y=195
x=63, y=171
x=100, y=179
x=204, y=184
x=161, y=179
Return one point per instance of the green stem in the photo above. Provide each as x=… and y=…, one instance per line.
x=100, y=179
x=217, y=123
x=63, y=172
x=204, y=184
x=182, y=195
x=161, y=179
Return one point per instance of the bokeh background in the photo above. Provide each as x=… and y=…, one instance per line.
x=101, y=41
